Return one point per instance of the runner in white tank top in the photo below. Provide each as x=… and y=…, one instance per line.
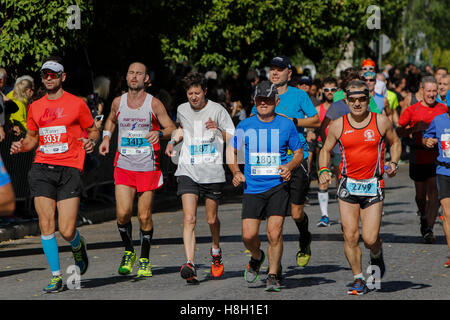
x=139, y=116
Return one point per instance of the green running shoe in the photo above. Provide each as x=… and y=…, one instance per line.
x=80, y=256
x=145, y=268
x=55, y=285
x=128, y=260
x=251, y=273
x=272, y=283
x=304, y=252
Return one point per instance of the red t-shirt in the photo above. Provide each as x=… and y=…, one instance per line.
x=411, y=116
x=60, y=124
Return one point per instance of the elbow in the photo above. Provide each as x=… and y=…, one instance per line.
x=8, y=208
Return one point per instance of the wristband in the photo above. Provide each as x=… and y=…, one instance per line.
x=172, y=142
x=323, y=169
x=160, y=133
x=106, y=133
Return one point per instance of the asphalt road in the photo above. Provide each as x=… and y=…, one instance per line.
x=414, y=270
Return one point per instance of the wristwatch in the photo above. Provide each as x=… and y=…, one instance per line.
x=161, y=133
x=93, y=141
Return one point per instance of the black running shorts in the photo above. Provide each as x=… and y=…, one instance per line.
x=443, y=184
x=270, y=203
x=213, y=191
x=299, y=183
x=421, y=172
x=54, y=182
x=363, y=201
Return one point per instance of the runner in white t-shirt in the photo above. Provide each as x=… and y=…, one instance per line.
x=204, y=127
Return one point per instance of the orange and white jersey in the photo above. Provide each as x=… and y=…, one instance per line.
x=362, y=151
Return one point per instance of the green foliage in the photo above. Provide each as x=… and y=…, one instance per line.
x=241, y=34
x=30, y=30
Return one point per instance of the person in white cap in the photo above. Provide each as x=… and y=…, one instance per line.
x=62, y=127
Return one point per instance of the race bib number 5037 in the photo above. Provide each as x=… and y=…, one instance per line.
x=53, y=140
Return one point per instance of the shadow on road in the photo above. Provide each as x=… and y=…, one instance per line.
x=19, y=271
x=394, y=286
x=100, y=282
x=325, y=268
x=305, y=282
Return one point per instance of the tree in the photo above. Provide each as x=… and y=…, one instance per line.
x=241, y=34
x=30, y=30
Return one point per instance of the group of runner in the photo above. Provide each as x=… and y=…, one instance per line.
x=275, y=162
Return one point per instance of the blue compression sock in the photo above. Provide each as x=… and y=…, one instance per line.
x=51, y=253
x=75, y=243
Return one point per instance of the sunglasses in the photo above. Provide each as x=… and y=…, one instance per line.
x=329, y=89
x=359, y=99
x=266, y=100
x=52, y=75
x=368, y=68
x=370, y=80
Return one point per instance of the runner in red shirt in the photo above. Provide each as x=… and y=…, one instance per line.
x=361, y=185
x=422, y=168
x=56, y=124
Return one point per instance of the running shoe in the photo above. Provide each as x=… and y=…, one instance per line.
x=380, y=263
x=128, y=260
x=80, y=256
x=272, y=283
x=324, y=222
x=251, y=273
x=447, y=264
x=304, y=254
x=428, y=237
x=189, y=273
x=55, y=285
x=358, y=288
x=216, y=265
x=145, y=268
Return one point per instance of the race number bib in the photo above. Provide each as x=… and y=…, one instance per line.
x=203, y=152
x=367, y=187
x=265, y=164
x=134, y=143
x=445, y=144
x=53, y=140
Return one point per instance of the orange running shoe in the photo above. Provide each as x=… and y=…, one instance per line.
x=216, y=265
x=447, y=264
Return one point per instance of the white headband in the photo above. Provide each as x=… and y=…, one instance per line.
x=53, y=66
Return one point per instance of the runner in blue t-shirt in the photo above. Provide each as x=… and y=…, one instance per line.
x=7, y=199
x=266, y=139
x=439, y=133
x=296, y=105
